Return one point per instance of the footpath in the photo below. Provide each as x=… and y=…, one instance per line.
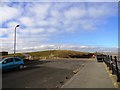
x=93, y=75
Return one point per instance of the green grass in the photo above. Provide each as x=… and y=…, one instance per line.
x=57, y=53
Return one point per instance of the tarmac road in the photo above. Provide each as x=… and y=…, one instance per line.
x=43, y=74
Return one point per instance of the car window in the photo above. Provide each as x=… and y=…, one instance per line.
x=17, y=59
x=9, y=60
x=0, y=59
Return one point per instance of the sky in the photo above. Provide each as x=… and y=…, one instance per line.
x=82, y=26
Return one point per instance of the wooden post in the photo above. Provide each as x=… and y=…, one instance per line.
x=112, y=68
x=118, y=75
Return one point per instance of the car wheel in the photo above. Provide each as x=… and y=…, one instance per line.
x=21, y=66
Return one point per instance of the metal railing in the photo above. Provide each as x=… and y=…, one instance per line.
x=113, y=64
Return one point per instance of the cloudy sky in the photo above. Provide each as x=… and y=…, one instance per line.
x=59, y=25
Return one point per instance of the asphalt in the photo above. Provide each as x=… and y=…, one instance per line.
x=59, y=74
x=93, y=75
x=42, y=74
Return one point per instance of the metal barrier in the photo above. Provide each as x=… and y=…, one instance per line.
x=112, y=64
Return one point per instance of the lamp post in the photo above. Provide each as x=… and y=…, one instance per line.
x=15, y=40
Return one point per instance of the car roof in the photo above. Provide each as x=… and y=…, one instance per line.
x=9, y=57
x=4, y=58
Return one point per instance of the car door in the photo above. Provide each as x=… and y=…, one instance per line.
x=8, y=64
x=17, y=61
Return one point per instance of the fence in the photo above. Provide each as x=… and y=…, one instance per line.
x=113, y=64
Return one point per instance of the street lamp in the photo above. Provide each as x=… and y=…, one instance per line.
x=15, y=40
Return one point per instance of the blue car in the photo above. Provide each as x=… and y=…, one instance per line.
x=11, y=63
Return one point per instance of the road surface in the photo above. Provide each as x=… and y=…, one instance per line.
x=43, y=74
x=57, y=74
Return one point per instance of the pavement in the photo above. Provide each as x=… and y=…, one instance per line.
x=93, y=75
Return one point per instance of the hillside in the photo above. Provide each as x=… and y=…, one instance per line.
x=57, y=54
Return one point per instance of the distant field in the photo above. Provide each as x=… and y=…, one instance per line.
x=111, y=53
x=55, y=54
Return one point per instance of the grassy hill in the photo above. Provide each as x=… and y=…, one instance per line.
x=57, y=54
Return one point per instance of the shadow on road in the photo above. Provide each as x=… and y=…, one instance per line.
x=29, y=65
x=35, y=62
x=25, y=69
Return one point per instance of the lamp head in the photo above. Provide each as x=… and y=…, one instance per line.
x=17, y=25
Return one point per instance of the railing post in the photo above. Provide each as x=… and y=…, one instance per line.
x=107, y=60
x=117, y=71
x=102, y=57
x=110, y=63
x=113, y=72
